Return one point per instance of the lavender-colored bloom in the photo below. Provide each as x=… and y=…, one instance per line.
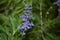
x=32, y=24
x=23, y=16
x=57, y=3
x=26, y=24
x=30, y=8
x=28, y=15
x=27, y=7
x=24, y=19
x=23, y=27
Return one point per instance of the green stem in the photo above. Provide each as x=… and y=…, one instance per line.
x=41, y=30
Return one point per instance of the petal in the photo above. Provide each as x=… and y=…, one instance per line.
x=24, y=19
x=23, y=16
x=26, y=5
x=28, y=15
x=32, y=24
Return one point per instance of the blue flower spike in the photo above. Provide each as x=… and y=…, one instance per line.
x=26, y=23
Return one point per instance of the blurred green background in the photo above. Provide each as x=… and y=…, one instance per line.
x=10, y=10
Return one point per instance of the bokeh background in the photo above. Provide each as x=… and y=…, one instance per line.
x=11, y=10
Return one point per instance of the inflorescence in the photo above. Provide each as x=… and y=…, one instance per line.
x=26, y=23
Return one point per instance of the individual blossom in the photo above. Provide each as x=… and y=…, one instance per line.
x=27, y=8
x=28, y=23
x=25, y=25
x=24, y=18
x=28, y=15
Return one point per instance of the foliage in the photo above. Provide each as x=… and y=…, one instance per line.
x=11, y=10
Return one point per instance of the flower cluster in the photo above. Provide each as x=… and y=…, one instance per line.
x=26, y=23
x=57, y=3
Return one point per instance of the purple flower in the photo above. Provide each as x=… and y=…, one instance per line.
x=26, y=23
x=28, y=15
x=24, y=19
x=30, y=8
x=57, y=3
x=32, y=24
x=27, y=7
x=23, y=16
x=23, y=27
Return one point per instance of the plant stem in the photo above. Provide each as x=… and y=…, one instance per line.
x=41, y=30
